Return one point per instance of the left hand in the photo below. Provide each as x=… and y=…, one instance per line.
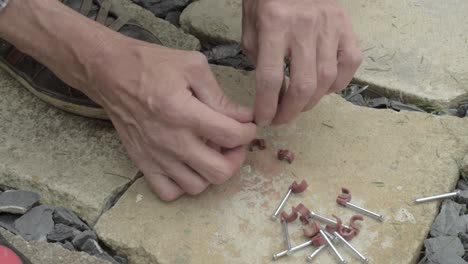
x=317, y=37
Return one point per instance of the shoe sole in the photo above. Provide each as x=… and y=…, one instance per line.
x=86, y=111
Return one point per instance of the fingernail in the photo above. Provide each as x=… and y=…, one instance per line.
x=244, y=110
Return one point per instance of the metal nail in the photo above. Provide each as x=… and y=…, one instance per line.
x=337, y=254
x=293, y=249
x=280, y=206
x=326, y=220
x=286, y=233
x=363, y=259
x=437, y=197
x=365, y=211
x=316, y=252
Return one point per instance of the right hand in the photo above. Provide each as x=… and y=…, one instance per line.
x=169, y=111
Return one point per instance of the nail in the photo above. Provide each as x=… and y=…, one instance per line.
x=292, y=250
x=344, y=199
x=316, y=252
x=363, y=259
x=280, y=206
x=365, y=211
x=437, y=197
x=325, y=220
x=286, y=233
x=337, y=254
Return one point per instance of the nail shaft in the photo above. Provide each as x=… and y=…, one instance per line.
x=365, y=211
x=437, y=197
x=286, y=233
x=293, y=249
x=280, y=206
x=316, y=252
x=337, y=254
x=326, y=220
x=362, y=257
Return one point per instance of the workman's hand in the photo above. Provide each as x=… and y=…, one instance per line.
x=316, y=36
x=174, y=120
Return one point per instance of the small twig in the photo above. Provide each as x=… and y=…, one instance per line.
x=357, y=92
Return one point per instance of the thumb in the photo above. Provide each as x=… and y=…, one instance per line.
x=206, y=89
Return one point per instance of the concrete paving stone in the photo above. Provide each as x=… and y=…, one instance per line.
x=386, y=158
x=46, y=253
x=74, y=162
x=413, y=50
x=170, y=35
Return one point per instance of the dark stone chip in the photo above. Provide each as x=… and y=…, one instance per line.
x=462, y=185
x=444, y=249
x=121, y=260
x=173, y=18
x=7, y=221
x=67, y=217
x=18, y=202
x=451, y=220
x=62, y=232
x=81, y=238
x=36, y=223
x=92, y=247
x=67, y=245
x=357, y=100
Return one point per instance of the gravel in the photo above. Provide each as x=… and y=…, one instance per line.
x=36, y=224
x=7, y=221
x=61, y=233
x=81, y=238
x=444, y=250
x=450, y=220
x=67, y=217
x=17, y=202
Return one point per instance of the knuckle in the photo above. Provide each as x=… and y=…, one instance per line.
x=327, y=73
x=199, y=59
x=273, y=12
x=268, y=78
x=353, y=57
x=305, y=88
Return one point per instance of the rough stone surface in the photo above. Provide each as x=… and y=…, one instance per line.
x=81, y=238
x=214, y=21
x=70, y=161
x=464, y=167
x=444, y=250
x=413, y=50
x=47, y=253
x=450, y=221
x=67, y=217
x=61, y=233
x=17, y=202
x=386, y=158
x=36, y=224
x=170, y=35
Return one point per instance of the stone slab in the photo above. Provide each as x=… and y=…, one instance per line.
x=46, y=253
x=70, y=161
x=170, y=35
x=385, y=158
x=412, y=49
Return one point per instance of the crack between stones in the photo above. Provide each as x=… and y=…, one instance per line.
x=115, y=197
